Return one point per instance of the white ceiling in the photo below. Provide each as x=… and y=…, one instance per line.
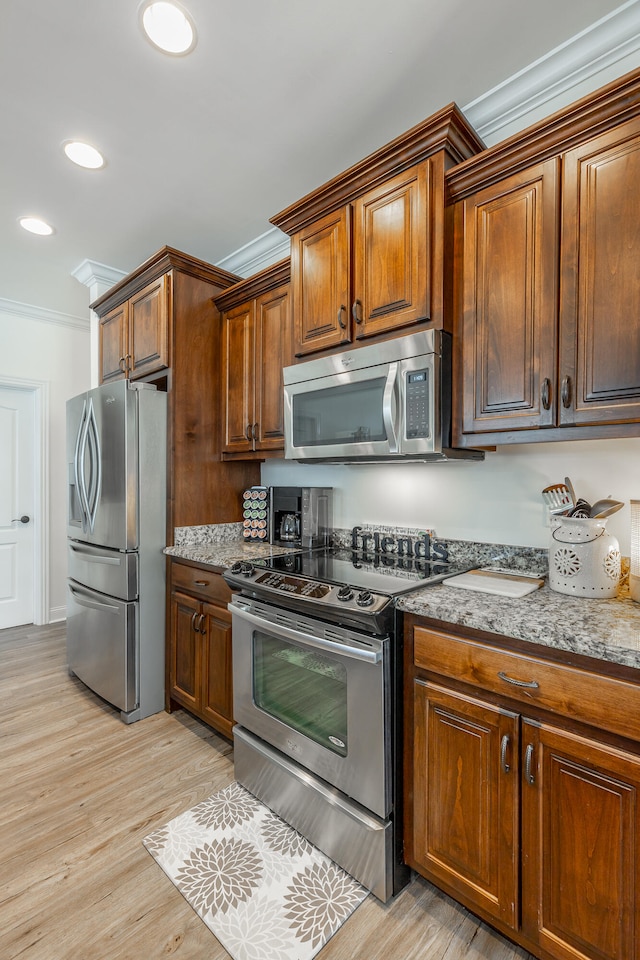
x=278, y=97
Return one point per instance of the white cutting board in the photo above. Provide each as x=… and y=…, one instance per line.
x=503, y=585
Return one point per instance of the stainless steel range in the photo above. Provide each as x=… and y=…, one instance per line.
x=317, y=697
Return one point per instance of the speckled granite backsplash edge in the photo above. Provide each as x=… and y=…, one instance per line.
x=532, y=560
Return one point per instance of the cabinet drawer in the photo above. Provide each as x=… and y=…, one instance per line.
x=200, y=582
x=586, y=696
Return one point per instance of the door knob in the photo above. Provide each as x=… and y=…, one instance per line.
x=23, y=519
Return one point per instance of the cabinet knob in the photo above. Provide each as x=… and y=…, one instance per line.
x=545, y=393
x=341, y=322
x=565, y=392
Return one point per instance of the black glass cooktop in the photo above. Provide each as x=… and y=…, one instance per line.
x=387, y=573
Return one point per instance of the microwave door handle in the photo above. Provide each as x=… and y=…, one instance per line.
x=307, y=639
x=389, y=407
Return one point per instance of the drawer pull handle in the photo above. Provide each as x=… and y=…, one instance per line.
x=201, y=622
x=530, y=684
x=201, y=583
x=504, y=746
x=528, y=765
x=193, y=622
x=545, y=393
x=341, y=323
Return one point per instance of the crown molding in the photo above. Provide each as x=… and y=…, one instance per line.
x=262, y=252
x=90, y=271
x=13, y=309
x=601, y=45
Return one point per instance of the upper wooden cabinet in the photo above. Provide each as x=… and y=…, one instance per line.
x=256, y=345
x=163, y=316
x=548, y=288
x=134, y=336
x=370, y=249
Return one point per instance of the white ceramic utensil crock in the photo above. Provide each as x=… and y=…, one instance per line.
x=584, y=558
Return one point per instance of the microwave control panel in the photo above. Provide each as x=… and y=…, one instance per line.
x=417, y=405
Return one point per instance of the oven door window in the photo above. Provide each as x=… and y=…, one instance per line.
x=302, y=688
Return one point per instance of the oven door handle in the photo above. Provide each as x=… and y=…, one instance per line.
x=355, y=653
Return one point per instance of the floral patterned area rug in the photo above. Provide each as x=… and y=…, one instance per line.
x=261, y=888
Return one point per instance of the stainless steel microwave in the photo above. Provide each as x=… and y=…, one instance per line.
x=384, y=401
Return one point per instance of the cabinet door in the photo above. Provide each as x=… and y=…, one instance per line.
x=149, y=312
x=510, y=254
x=580, y=846
x=238, y=377
x=217, y=680
x=390, y=237
x=320, y=274
x=113, y=343
x=272, y=353
x=184, y=650
x=465, y=795
x=600, y=283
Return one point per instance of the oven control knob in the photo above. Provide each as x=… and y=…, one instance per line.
x=345, y=593
x=364, y=599
x=241, y=566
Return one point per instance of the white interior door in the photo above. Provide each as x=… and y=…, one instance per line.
x=17, y=502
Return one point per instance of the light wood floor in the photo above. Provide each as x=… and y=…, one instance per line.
x=79, y=790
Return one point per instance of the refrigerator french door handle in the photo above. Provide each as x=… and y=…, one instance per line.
x=95, y=475
x=78, y=464
x=93, y=604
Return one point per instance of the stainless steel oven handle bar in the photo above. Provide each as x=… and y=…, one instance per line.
x=366, y=656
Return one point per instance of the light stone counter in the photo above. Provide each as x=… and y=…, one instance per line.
x=219, y=545
x=605, y=629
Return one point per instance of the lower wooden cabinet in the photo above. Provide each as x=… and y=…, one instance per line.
x=529, y=820
x=199, y=645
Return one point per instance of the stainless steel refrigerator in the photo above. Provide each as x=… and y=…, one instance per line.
x=116, y=455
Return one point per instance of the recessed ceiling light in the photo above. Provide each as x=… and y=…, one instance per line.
x=83, y=154
x=168, y=26
x=36, y=225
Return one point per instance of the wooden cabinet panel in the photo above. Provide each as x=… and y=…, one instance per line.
x=256, y=345
x=581, y=850
x=113, y=332
x=510, y=302
x=600, y=291
x=273, y=351
x=466, y=789
x=237, y=380
x=391, y=275
x=184, y=665
x=199, y=646
x=217, y=679
x=149, y=312
x=612, y=704
x=320, y=275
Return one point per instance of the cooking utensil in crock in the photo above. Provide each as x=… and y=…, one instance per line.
x=558, y=498
x=614, y=506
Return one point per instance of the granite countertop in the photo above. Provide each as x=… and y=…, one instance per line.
x=222, y=554
x=604, y=629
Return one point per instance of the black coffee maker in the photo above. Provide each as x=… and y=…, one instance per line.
x=301, y=516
